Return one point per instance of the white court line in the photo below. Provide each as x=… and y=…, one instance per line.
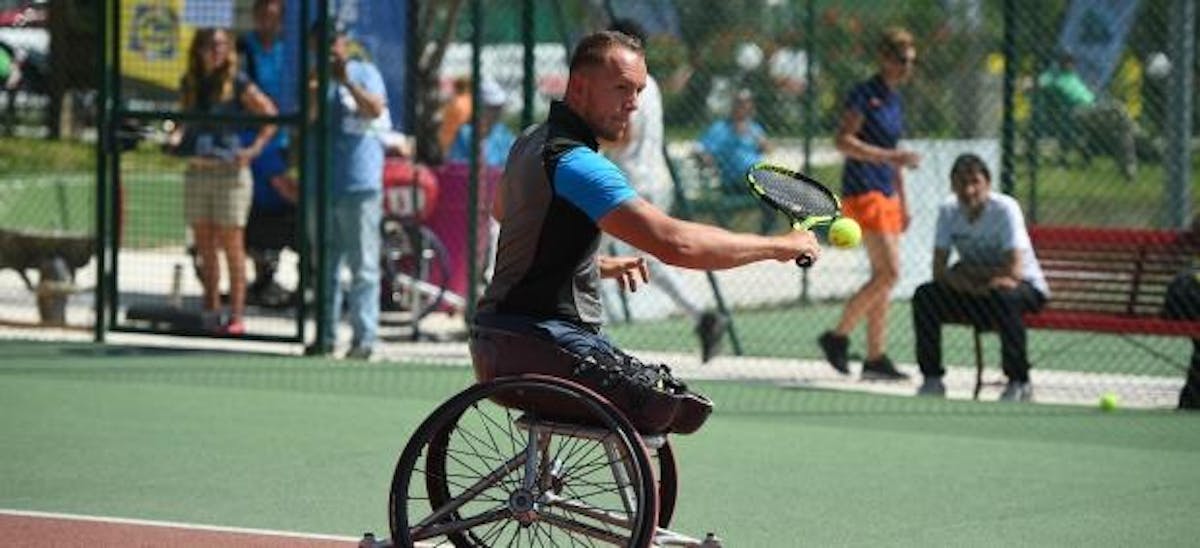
x=175, y=525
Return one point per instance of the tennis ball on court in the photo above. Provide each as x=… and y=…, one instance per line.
x=1108, y=401
x=845, y=233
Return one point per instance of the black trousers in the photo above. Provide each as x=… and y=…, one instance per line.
x=1000, y=309
x=1183, y=303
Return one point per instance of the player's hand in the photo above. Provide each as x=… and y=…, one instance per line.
x=799, y=243
x=626, y=270
x=1002, y=282
x=246, y=155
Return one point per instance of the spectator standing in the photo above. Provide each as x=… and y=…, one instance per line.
x=495, y=136
x=357, y=100
x=873, y=194
x=272, y=223
x=996, y=279
x=639, y=153
x=217, y=183
x=558, y=195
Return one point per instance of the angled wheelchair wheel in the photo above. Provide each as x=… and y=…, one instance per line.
x=416, y=269
x=477, y=474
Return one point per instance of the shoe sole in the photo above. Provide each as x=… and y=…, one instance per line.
x=883, y=377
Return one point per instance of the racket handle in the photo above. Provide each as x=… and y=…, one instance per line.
x=804, y=261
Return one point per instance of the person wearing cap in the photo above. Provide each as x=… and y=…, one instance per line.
x=357, y=102
x=496, y=137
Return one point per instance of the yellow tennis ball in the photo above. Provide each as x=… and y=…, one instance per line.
x=845, y=233
x=1108, y=401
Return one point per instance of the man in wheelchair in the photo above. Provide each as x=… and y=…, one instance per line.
x=556, y=197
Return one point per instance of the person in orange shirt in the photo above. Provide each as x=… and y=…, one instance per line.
x=456, y=112
x=873, y=194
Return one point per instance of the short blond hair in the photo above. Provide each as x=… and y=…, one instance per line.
x=895, y=41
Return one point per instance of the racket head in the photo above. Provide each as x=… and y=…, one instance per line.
x=804, y=200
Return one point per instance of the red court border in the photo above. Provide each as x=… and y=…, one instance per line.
x=30, y=529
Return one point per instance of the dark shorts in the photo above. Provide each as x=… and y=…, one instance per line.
x=275, y=230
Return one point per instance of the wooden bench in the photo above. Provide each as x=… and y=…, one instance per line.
x=1107, y=280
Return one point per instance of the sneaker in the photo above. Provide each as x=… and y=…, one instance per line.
x=234, y=328
x=711, y=329
x=1017, y=391
x=359, y=353
x=882, y=370
x=932, y=387
x=835, y=346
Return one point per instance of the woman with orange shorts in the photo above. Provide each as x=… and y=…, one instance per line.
x=873, y=195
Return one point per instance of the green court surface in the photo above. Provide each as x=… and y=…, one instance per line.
x=268, y=441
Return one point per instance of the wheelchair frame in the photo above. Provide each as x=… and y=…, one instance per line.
x=481, y=473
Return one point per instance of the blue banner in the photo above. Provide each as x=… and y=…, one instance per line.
x=1094, y=33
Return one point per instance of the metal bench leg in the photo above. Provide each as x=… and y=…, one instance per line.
x=978, y=363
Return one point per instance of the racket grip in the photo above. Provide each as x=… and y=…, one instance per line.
x=804, y=261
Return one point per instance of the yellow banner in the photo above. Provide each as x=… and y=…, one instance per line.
x=154, y=42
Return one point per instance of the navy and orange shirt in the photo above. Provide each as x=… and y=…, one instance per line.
x=883, y=125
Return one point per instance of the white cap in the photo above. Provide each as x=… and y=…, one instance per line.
x=491, y=94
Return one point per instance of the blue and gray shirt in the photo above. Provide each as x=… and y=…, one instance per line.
x=556, y=187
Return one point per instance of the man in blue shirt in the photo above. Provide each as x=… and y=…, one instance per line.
x=272, y=221
x=357, y=99
x=736, y=143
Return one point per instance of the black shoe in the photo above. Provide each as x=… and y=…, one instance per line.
x=711, y=329
x=882, y=370
x=1189, y=397
x=835, y=346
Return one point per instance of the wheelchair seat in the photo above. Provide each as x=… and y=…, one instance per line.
x=647, y=395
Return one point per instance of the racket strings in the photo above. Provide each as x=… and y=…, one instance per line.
x=796, y=195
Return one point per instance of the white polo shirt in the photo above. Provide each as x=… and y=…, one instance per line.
x=987, y=241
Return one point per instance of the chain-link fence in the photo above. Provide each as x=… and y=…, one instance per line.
x=47, y=189
x=1075, y=107
x=1065, y=102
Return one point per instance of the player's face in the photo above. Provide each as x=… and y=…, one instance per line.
x=971, y=187
x=611, y=92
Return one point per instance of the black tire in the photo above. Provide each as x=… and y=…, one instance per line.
x=469, y=439
x=668, y=483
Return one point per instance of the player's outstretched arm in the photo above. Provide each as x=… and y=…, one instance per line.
x=700, y=246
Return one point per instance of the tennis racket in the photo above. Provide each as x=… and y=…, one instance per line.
x=807, y=203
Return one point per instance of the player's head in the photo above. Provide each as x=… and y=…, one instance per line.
x=608, y=70
x=211, y=57
x=629, y=27
x=971, y=181
x=897, y=54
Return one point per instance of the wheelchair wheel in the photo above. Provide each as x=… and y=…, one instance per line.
x=416, y=269
x=476, y=474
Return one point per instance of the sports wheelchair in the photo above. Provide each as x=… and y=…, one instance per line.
x=558, y=450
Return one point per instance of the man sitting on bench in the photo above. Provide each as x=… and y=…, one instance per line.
x=997, y=278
